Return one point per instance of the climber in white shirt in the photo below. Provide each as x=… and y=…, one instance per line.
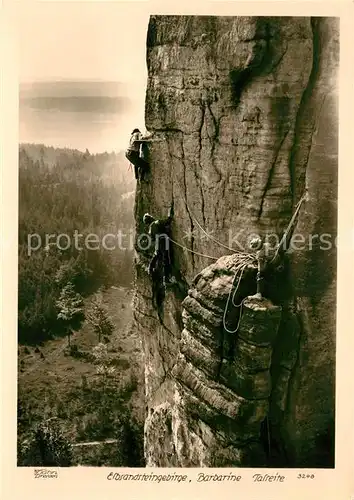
x=133, y=154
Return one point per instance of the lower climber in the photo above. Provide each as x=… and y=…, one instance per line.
x=132, y=154
x=160, y=264
x=265, y=254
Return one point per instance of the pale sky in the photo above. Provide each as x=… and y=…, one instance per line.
x=82, y=40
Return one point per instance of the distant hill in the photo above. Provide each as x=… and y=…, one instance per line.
x=78, y=104
x=68, y=88
x=97, y=115
x=102, y=97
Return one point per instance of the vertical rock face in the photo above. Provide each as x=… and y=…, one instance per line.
x=244, y=110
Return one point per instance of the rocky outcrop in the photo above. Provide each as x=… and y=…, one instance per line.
x=222, y=373
x=245, y=113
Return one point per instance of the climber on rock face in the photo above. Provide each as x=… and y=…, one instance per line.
x=268, y=255
x=265, y=253
x=160, y=264
x=132, y=154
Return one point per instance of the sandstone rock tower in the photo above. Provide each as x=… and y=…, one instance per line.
x=246, y=112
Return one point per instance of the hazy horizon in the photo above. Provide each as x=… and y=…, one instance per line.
x=78, y=114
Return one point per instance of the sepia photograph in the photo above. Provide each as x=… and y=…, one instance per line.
x=177, y=239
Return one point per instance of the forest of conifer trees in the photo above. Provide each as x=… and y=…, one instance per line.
x=96, y=372
x=62, y=191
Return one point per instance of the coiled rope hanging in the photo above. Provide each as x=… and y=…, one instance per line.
x=245, y=262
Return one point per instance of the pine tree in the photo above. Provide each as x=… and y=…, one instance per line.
x=99, y=318
x=70, y=305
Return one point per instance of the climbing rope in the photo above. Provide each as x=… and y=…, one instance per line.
x=202, y=229
x=246, y=259
x=291, y=223
x=214, y=239
x=193, y=251
x=238, y=322
x=233, y=291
